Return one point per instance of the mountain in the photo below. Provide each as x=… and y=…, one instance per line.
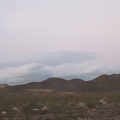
x=103, y=83
x=106, y=83
x=3, y=85
x=50, y=83
x=73, y=85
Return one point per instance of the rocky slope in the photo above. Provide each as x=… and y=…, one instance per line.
x=103, y=83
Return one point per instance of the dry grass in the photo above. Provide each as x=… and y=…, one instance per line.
x=53, y=106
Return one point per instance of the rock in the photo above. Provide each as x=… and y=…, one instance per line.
x=15, y=109
x=103, y=101
x=4, y=113
x=81, y=104
x=35, y=109
x=45, y=108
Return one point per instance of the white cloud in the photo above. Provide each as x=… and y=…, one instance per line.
x=84, y=65
x=57, y=64
x=20, y=73
x=85, y=70
x=27, y=69
x=37, y=72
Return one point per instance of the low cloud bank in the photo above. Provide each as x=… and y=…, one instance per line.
x=37, y=72
x=66, y=65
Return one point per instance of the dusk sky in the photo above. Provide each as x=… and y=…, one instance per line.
x=58, y=38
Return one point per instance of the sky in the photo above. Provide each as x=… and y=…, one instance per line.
x=58, y=38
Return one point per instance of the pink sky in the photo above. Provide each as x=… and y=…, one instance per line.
x=31, y=28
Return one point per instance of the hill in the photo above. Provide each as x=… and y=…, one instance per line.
x=103, y=83
x=3, y=85
x=106, y=83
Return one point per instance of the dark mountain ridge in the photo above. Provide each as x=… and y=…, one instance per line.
x=101, y=84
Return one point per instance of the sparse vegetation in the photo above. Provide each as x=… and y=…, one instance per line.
x=58, y=106
x=59, y=99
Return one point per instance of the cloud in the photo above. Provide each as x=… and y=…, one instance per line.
x=62, y=57
x=68, y=65
x=44, y=65
x=86, y=70
x=21, y=73
x=37, y=72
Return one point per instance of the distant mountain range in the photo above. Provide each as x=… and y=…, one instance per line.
x=101, y=84
x=3, y=85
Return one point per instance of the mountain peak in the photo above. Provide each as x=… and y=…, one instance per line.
x=3, y=85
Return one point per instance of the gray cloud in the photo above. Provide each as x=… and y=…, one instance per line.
x=62, y=57
x=24, y=73
x=45, y=65
x=66, y=65
x=37, y=72
x=51, y=58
